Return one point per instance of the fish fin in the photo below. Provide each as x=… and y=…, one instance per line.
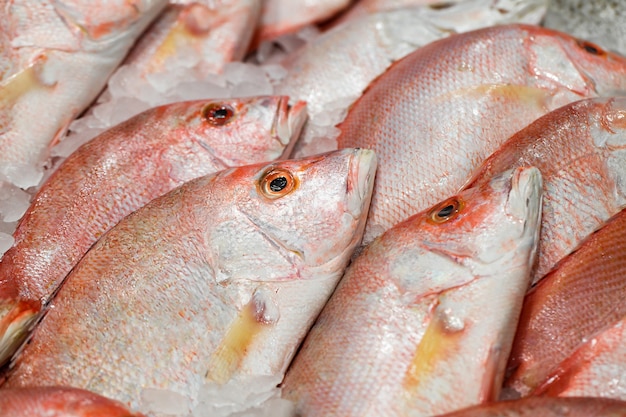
x=194, y=22
x=437, y=343
x=251, y=320
x=61, y=132
x=16, y=318
x=532, y=96
x=21, y=83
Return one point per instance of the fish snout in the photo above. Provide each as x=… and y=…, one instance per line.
x=361, y=181
x=525, y=197
x=289, y=121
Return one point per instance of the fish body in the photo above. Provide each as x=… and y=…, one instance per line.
x=201, y=35
x=59, y=402
x=547, y=407
x=434, y=116
x=56, y=57
x=279, y=17
x=436, y=7
x=579, y=298
x=179, y=58
x=216, y=281
x=121, y=170
x=581, y=151
x=595, y=369
x=422, y=321
x=363, y=48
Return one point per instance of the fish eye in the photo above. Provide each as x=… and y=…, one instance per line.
x=591, y=48
x=277, y=183
x=445, y=211
x=218, y=114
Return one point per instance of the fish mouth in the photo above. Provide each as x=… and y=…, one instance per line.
x=525, y=198
x=360, y=183
x=288, y=123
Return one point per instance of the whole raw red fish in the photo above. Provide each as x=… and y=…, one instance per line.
x=214, y=283
x=55, y=57
x=59, y=402
x=580, y=150
x=362, y=49
x=434, y=116
x=547, y=407
x=579, y=298
x=423, y=320
x=120, y=171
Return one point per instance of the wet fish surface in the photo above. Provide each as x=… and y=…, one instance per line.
x=422, y=322
x=219, y=279
x=362, y=49
x=55, y=58
x=434, y=116
x=579, y=298
x=59, y=402
x=118, y=172
x=580, y=150
x=547, y=407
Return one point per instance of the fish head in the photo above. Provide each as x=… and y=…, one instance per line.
x=106, y=21
x=258, y=129
x=482, y=231
x=582, y=67
x=296, y=219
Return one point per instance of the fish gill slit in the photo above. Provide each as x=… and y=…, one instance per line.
x=283, y=250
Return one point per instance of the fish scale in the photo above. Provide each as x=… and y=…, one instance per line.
x=581, y=151
x=435, y=115
x=221, y=259
x=119, y=171
x=581, y=296
x=61, y=55
x=404, y=333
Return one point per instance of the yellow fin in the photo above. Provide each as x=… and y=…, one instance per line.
x=21, y=83
x=239, y=337
x=439, y=342
x=531, y=95
x=184, y=32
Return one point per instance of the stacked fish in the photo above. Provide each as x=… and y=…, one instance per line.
x=434, y=223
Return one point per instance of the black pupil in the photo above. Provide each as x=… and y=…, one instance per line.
x=220, y=113
x=591, y=49
x=278, y=184
x=446, y=211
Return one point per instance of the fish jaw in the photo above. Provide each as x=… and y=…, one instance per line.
x=214, y=32
x=522, y=188
x=101, y=25
x=288, y=123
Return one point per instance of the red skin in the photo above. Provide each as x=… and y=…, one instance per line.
x=59, y=402
x=116, y=173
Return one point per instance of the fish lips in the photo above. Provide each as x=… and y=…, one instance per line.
x=288, y=123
